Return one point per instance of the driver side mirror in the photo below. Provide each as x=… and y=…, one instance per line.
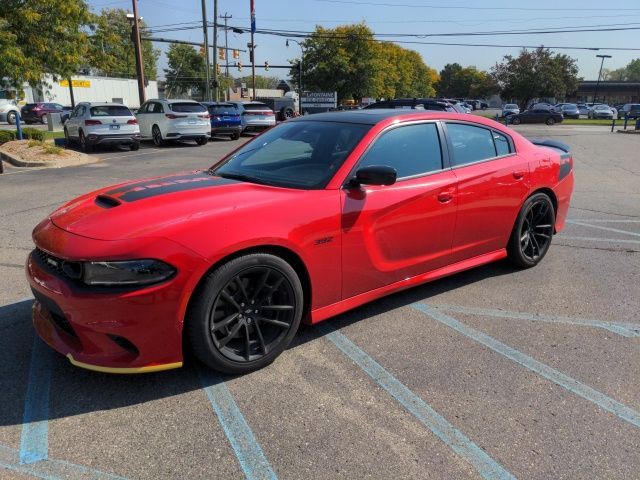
x=374, y=175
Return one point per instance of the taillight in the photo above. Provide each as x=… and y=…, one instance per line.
x=173, y=117
x=204, y=116
x=92, y=122
x=133, y=121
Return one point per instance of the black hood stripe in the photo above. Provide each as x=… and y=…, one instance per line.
x=166, y=185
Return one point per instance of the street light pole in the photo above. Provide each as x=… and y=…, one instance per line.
x=595, y=94
x=138, y=49
x=299, y=73
x=207, y=75
x=252, y=50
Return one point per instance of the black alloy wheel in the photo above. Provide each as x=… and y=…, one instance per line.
x=245, y=314
x=550, y=121
x=84, y=145
x=202, y=141
x=533, y=231
x=156, y=134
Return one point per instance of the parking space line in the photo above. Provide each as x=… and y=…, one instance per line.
x=252, y=460
x=571, y=384
x=50, y=469
x=562, y=236
x=486, y=466
x=623, y=329
x=600, y=227
x=602, y=220
x=34, y=441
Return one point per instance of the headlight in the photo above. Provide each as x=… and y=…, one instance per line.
x=131, y=272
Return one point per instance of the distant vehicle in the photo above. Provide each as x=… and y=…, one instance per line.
x=483, y=105
x=536, y=115
x=475, y=104
x=568, y=110
x=225, y=119
x=601, y=111
x=632, y=110
x=37, y=112
x=283, y=107
x=542, y=106
x=583, y=109
x=66, y=113
x=92, y=124
x=510, y=109
x=8, y=111
x=414, y=103
x=163, y=120
x=256, y=116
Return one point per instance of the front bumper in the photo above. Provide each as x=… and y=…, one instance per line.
x=105, y=329
x=127, y=139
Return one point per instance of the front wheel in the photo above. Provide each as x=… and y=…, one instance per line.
x=532, y=232
x=245, y=313
x=550, y=121
x=156, y=134
x=514, y=120
x=202, y=141
x=235, y=136
x=11, y=118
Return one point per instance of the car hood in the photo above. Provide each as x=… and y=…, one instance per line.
x=148, y=208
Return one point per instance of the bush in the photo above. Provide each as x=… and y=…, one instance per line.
x=32, y=134
x=7, y=136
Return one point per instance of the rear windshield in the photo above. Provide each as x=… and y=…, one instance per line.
x=110, y=111
x=510, y=105
x=187, y=107
x=223, y=109
x=256, y=106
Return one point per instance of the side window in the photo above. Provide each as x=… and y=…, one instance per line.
x=411, y=150
x=470, y=144
x=503, y=147
x=158, y=108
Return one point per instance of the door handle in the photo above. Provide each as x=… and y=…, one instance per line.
x=445, y=197
x=518, y=175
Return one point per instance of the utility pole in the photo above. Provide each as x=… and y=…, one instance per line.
x=252, y=50
x=207, y=75
x=138, y=49
x=226, y=17
x=215, y=48
x=595, y=95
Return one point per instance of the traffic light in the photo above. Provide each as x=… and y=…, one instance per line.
x=221, y=53
x=266, y=66
x=236, y=53
x=239, y=65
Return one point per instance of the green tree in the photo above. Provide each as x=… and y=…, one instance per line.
x=111, y=50
x=186, y=71
x=628, y=73
x=458, y=81
x=39, y=37
x=401, y=73
x=261, y=81
x=534, y=74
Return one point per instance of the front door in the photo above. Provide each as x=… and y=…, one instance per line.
x=390, y=233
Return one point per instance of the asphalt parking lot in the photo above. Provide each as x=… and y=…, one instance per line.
x=492, y=373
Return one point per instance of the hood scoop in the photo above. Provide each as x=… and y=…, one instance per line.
x=106, y=201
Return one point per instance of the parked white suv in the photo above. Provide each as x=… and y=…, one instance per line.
x=93, y=124
x=8, y=111
x=163, y=120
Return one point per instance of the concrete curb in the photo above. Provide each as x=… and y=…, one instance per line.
x=18, y=162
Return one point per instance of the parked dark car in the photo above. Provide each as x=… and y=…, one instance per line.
x=37, y=112
x=225, y=119
x=414, y=103
x=632, y=110
x=568, y=110
x=536, y=115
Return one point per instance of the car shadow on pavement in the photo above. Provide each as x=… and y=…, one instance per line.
x=75, y=391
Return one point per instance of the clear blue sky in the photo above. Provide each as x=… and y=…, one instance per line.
x=415, y=16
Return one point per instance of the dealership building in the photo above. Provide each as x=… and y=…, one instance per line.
x=611, y=92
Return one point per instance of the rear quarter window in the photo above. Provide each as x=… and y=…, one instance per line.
x=470, y=144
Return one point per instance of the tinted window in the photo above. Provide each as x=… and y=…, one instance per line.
x=502, y=143
x=411, y=150
x=470, y=144
x=222, y=109
x=256, y=106
x=188, y=107
x=110, y=111
x=295, y=154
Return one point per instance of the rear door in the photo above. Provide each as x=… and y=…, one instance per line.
x=493, y=181
x=391, y=233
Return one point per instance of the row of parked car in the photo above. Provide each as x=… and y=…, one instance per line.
x=572, y=110
x=160, y=120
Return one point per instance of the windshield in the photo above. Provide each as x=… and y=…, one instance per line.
x=601, y=107
x=187, y=107
x=511, y=105
x=303, y=154
x=110, y=111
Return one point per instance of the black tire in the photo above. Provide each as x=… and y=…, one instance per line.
x=514, y=120
x=67, y=140
x=532, y=232
x=202, y=141
x=134, y=146
x=156, y=134
x=84, y=145
x=286, y=113
x=235, y=136
x=227, y=346
x=11, y=118
x=550, y=121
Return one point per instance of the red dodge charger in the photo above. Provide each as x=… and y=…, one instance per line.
x=312, y=218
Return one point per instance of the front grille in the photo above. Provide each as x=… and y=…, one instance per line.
x=63, y=324
x=57, y=266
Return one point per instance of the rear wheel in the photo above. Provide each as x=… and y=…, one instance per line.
x=135, y=146
x=202, y=141
x=245, y=314
x=514, y=120
x=67, y=140
x=532, y=233
x=550, y=121
x=84, y=145
x=156, y=134
x=235, y=136
x=11, y=118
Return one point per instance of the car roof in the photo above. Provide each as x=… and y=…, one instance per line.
x=102, y=104
x=374, y=116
